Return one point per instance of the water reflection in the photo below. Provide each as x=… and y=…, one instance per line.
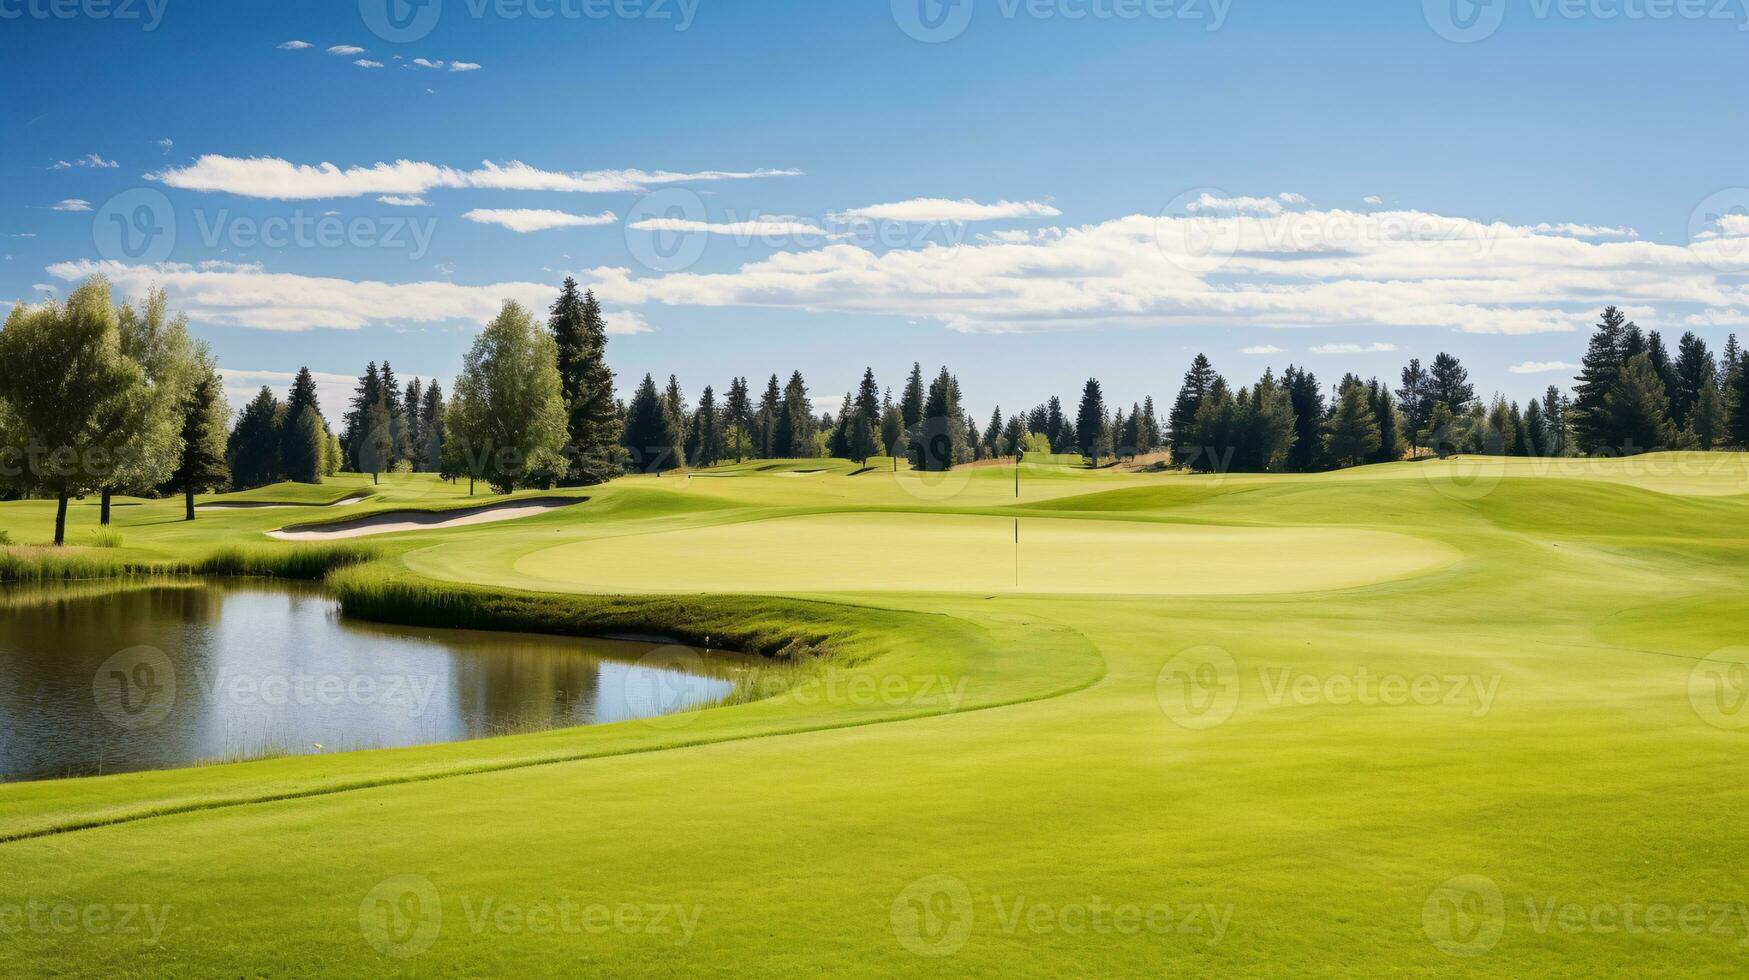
x=175, y=675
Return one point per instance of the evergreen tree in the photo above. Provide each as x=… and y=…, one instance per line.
x=1013, y=437
x=394, y=404
x=868, y=397
x=1384, y=410
x=678, y=413
x=414, y=435
x=993, y=434
x=892, y=428
x=770, y=407
x=1119, y=426
x=974, y=444
x=253, y=450
x=1448, y=383
x=863, y=441
x=367, y=394
x=303, y=446
x=1706, y=420
x=1732, y=359
x=940, y=439
x=200, y=465
x=431, y=427
x=737, y=413
x=1693, y=371
x=793, y=435
x=1556, y=422
x=911, y=402
x=649, y=431
x=1149, y=429
x=1216, y=432
x=1638, y=409
x=1058, y=428
x=1442, y=433
x=1536, y=440
x=1661, y=365
x=376, y=444
x=1265, y=427
x=1307, y=399
x=592, y=421
x=1415, y=402
x=706, y=446
x=1090, y=423
x=1737, y=405
x=1197, y=382
x=1501, y=433
x=1353, y=428
x=1601, y=366
x=293, y=440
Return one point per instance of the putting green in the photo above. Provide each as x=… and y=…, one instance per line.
x=956, y=553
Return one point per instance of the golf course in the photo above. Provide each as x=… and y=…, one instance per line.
x=1477, y=714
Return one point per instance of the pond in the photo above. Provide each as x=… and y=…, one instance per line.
x=183, y=674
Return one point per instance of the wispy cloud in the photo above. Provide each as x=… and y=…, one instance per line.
x=346, y=49
x=776, y=226
x=278, y=179
x=401, y=201
x=529, y=219
x=933, y=209
x=367, y=63
x=463, y=66
x=73, y=204
x=91, y=160
x=1261, y=349
x=1353, y=348
x=165, y=144
x=1542, y=367
x=296, y=46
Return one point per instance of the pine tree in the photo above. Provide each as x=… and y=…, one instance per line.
x=1415, y=402
x=1090, y=422
x=1660, y=358
x=737, y=413
x=1706, y=420
x=1737, y=405
x=1179, y=421
x=993, y=434
x=592, y=421
x=1150, y=427
x=1216, y=433
x=200, y=465
x=1448, y=383
x=793, y=434
x=1732, y=359
x=303, y=445
x=396, y=406
x=1638, y=409
x=706, y=446
x=431, y=427
x=293, y=439
x=911, y=402
x=1354, y=428
x=892, y=428
x=678, y=413
x=367, y=394
x=1601, y=366
x=770, y=406
x=1535, y=430
x=253, y=450
x=940, y=440
x=1013, y=437
x=1694, y=370
x=1556, y=422
x=1384, y=409
x=649, y=431
x=1119, y=426
x=1307, y=398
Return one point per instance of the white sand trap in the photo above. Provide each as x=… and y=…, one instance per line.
x=396, y=521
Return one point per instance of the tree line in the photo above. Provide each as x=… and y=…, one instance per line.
x=106, y=398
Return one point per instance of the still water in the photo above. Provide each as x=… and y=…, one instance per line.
x=184, y=674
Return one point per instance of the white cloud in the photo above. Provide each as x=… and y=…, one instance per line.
x=1207, y=202
x=165, y=144
x=455, y=66
x=346, y=49
x=91, y=160
x=1291, y=198
x=1718, y=318
x=1373, y=199
x=367, y=63
x=626, y=322
x=277, y=179
x=425, y=63
x=297, y=46
x=1261, y=349
x=401, y=201
x=529, y=219
x=1353, y=348
x=1586, y=231
x=776, y=226
x=73, y=204
x=1542, y=367
x=932, y=209
x=1386, y=271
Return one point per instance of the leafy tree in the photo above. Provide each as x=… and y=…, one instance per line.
x=1638, y=408
x=1601, y=367
x=1197, y=382
x=160, y=345
x=74, y=402
x=649, y=431
x=508, y=402
x=1090, y=423
x=200, y=465
x=1442, y=433
x=253, y=450
x=1353, y=428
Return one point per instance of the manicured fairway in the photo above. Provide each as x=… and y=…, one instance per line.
x=1414, y=720
x=949, y=553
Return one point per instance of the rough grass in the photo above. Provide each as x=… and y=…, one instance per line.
x=38, y=565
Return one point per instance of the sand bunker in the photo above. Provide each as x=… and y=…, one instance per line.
x=395, y=521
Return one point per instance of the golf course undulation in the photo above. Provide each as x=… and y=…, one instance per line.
x=1418, y=718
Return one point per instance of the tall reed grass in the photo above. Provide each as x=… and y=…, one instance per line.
x=34, y=565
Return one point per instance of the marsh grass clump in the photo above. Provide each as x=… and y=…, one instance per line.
x=105, y=537
x=302, y=562
x=35, y=565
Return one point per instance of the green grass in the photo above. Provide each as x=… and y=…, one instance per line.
x=1034, y=750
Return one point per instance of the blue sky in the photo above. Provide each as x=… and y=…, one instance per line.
x=1370, y=183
